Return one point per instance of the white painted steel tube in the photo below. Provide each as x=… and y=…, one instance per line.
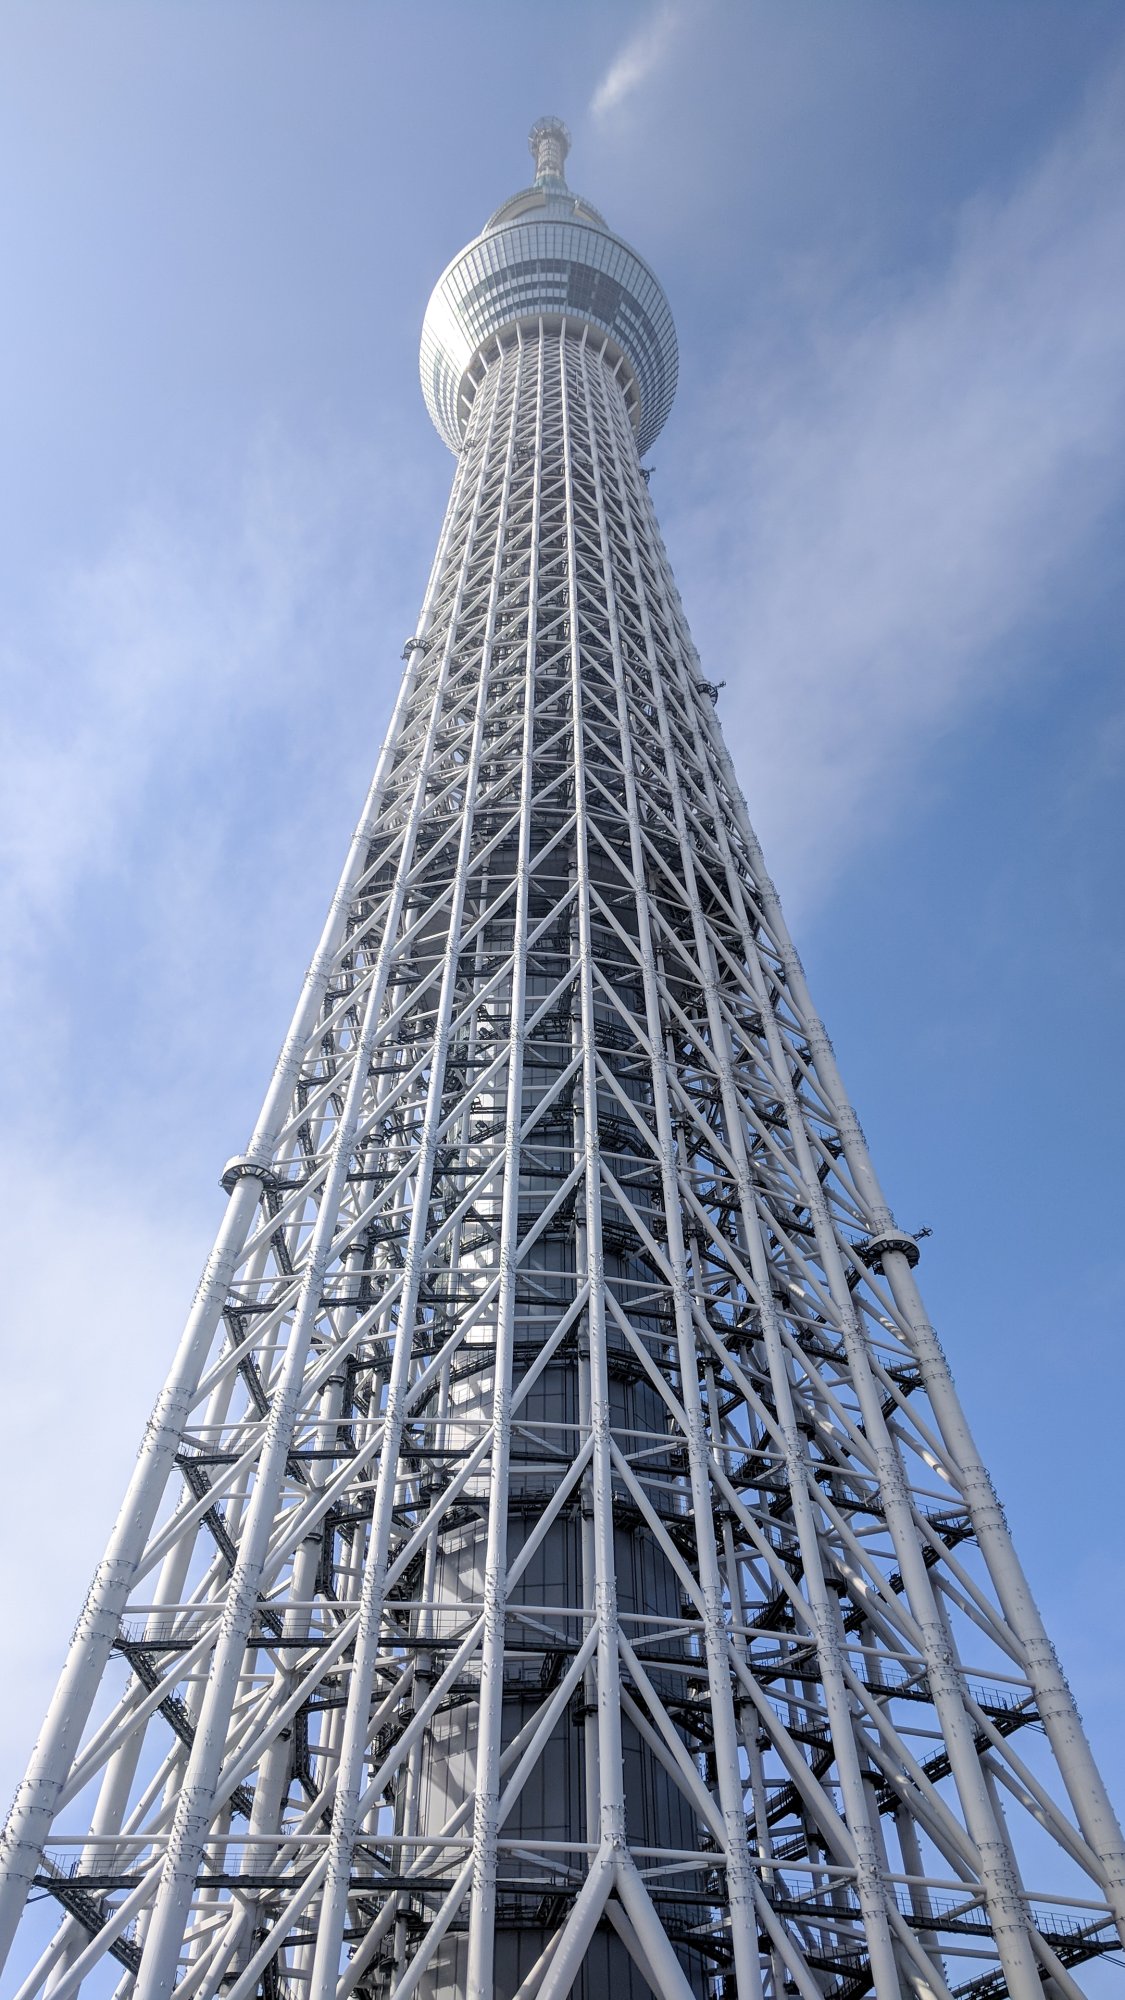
x=744, y=1932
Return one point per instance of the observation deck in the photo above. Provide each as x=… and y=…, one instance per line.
x=547, y=256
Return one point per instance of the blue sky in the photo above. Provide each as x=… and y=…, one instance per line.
x=893, y=236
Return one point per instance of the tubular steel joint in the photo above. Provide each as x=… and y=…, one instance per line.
x=242, y=1168
x=875, y=1249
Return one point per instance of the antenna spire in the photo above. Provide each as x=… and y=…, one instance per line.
x=548, y=142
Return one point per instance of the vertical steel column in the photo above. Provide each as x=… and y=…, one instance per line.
x=486, y=1807
x=744, y=1933
x=614, y=1863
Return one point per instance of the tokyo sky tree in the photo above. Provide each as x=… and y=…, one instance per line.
x=558, y=1561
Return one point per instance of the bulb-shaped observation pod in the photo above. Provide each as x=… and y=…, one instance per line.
x=547, y=256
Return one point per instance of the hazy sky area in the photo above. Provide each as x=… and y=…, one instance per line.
x=893, y=237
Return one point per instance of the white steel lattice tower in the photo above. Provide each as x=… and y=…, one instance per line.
x=558, y=1561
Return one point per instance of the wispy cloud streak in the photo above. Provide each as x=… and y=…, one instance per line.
x=191, y=652
x=638, y=60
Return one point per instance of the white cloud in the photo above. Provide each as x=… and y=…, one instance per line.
x=897, y=503
x=98, y=1294
x=638, y=60
x=149, y=656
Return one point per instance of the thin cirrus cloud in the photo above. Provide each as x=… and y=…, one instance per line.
x=638, y=60
x=157, y=668
x=899, y=502
x=104, y=1285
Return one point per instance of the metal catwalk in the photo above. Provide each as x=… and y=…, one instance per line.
x=558, y=1561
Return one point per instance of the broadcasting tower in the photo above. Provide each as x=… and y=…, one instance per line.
x=558, y=1562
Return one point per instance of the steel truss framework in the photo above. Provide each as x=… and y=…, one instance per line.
x=558, y=1559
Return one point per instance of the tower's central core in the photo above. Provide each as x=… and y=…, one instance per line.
x=551, y=536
